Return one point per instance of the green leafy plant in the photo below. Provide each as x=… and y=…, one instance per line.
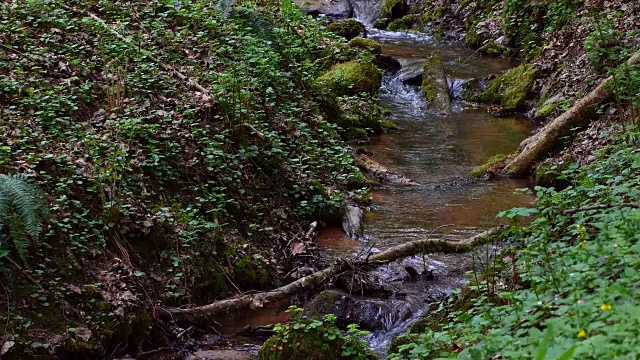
x=23, y=207
x=315, y=339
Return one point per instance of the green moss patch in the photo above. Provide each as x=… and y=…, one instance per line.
x=491, y=48
x=394, y=9
x=434, y=83
x=404, y=23
x=512, y=89
x=366, y=44
x=347, y=28
x=249, y=274
x=351, y=78
x=482, y=169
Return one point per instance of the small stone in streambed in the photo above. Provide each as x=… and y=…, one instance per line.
x=413, y=273
x=428, y=275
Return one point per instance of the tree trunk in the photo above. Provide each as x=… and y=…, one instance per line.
x=253, y=301
x=540, y=145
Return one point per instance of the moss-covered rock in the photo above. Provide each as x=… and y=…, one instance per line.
x=546, y=173
x=313, y=343
x=491, y=48
x=347, y=28
x=381, y=23
x=510, y=90
x=493, y=161
x=351, y=78
x=358, y=118
x=366, y=44
x=434, y=84
x=394, y=9
x=432, y=15
x=388, y=125
x=472, y=39
x=249, y=274
x=404, y=23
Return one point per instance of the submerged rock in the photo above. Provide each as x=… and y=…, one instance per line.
x=337, y=9
x=352, y=221
x=434, y=84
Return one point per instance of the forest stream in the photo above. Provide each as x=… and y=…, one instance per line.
x=437, y=153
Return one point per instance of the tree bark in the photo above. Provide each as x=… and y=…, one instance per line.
x=253, y=301
x=540, y=145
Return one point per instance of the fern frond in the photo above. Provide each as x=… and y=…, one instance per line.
x=22, y=208
x=19, y=237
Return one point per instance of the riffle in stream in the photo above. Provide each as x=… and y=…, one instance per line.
x=437, y=153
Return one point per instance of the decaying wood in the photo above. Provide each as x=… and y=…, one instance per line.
x=599, y=207
x=253, y=301
x=539, y=146
x=381, y=173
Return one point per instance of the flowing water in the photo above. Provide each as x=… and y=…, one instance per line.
x=436, y=152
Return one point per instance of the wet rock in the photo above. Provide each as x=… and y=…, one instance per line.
x=435, y=85
x=389, y=63
x=413, y=77
x=337, y=9
x=411, y=271
x=351, y=78
x=220, y=355
x=369, y=314
x=352, y=221
x=360, y=43
x=511, y=89
x=348, y=28
x=394, y=9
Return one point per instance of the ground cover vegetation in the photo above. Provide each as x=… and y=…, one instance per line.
x=161, y=153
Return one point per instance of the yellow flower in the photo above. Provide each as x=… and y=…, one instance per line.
x=605, y=307
x=582, y=243
x=582, y=334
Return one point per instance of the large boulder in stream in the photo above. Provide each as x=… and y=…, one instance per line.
x=369, y=314
x=435, y=85
x=351, y=78
x=336, y=9
x=348, y=28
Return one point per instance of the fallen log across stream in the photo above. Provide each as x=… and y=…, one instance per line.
x=258, y=300
x=540, y=145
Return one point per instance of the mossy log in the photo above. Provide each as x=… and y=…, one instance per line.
x=434, y=84
x=542, y=144
x=252, y=301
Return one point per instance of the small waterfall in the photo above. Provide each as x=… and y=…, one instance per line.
x=366, y=11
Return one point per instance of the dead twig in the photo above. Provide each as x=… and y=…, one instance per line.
x=599, y=206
